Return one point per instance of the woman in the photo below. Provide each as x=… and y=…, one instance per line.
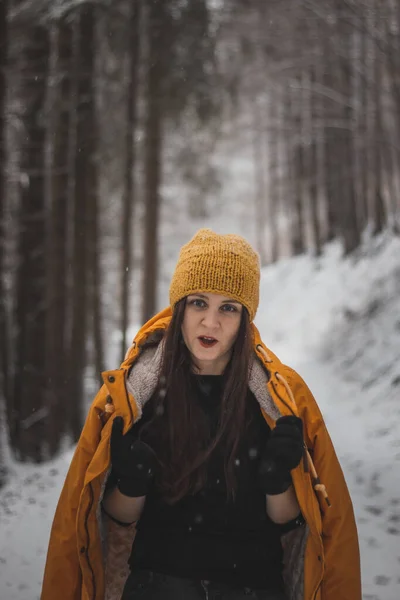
x=194, y=469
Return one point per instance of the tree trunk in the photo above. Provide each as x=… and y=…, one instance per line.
x=260, y=192
x=298, y=220
x=272, y=165
x=363, y=127
x=313, y=164
x=93, y=213
x=4, y=334
x=332, y=144
x=95, y=272
x=29, y=410
x=393, y=65
x=56, y=255
x=288, y=167
x=299, y=174
x=83, y=72
x=377, y=208
x=153, y=154
x=130, y=159
x=348, y=208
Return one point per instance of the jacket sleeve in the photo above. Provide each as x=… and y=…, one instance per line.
x=342, y=575
x=62, y=571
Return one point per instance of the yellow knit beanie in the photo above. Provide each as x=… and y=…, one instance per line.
x=221, y=264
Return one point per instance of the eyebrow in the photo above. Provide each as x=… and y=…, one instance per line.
x=230, y=300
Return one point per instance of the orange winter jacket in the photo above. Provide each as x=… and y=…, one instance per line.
x=88, y=553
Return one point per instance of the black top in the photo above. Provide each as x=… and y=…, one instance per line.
x=205, y=535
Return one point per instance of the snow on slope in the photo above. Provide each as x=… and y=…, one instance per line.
x=338, y=323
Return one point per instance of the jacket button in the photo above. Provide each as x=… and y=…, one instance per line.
x=83, y=550
x=111, y=378
x=319, y=558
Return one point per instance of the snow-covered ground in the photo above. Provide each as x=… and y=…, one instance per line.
x=338, y=323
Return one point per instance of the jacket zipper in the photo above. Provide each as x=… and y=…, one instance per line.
x=127, y=398
x=88, y=538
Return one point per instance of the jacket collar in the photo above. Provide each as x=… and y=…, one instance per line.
x=141, y=366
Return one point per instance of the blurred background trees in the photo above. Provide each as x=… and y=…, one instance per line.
x=122, y=121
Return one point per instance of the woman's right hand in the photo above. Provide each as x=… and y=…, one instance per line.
x=133, y=462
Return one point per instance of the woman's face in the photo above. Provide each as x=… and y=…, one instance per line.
x=210, y=326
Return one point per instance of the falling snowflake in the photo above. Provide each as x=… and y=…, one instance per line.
x=253, y=452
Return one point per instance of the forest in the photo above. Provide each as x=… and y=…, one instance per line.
x=108, y=107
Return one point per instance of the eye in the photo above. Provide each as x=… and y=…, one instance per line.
x=197, y=302
x=228, y=308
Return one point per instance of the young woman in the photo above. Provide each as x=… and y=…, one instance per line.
x=204, y=469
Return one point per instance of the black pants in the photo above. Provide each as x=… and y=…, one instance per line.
x=148, y=585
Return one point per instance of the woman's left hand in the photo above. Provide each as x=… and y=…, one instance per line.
x=283, y=452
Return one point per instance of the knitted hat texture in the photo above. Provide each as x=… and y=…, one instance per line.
x=219, y=264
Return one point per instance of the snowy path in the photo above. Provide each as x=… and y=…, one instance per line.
x=368, y=447
x=27, y=508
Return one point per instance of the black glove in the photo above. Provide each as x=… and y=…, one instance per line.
x=283, y=452
x=133, y=462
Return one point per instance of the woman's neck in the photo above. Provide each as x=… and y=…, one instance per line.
x=209, y=367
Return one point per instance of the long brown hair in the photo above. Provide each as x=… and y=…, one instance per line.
x=179, y=431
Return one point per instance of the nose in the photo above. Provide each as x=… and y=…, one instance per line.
x=211, y=319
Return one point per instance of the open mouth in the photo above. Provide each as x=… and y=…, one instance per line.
x=207, y=342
